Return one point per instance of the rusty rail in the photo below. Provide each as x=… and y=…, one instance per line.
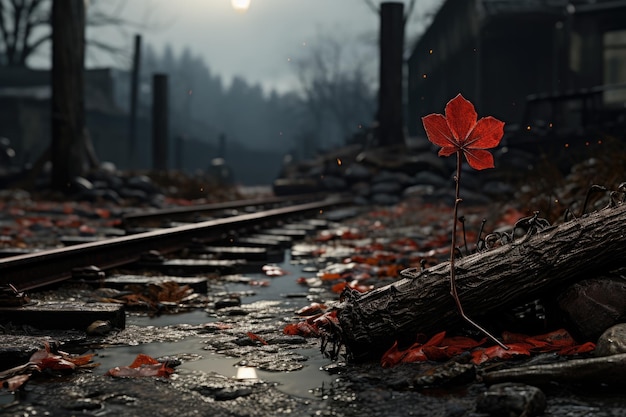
x=178, y=213
x=39, y=269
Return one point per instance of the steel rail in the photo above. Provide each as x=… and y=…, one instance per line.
x=38, y=269
x=176, y=213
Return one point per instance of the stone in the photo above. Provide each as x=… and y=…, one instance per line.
x=593, y=305
x=430, y=178
x=612, y=341
x=512, y=400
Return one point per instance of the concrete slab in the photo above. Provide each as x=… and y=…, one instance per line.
x=234, y=252
x=198, y=284
x=293, y=233
x=283, y=240
x=189, y=267
x=64, y=315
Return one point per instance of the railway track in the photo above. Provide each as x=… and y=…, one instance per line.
x=27, y=272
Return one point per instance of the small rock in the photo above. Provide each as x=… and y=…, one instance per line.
x=594, y=305
x=83, y=404
x=430, y=178
x=612, y=341
x=229, y=394
x=143, y=183
x=357, y=172
x=384, y=199
x=449, y=374
x=512, y=400
x=99, y=328
x=387, y=187
x=361, y=189
x=227, y=302
x=81, y=184
x=331, y=182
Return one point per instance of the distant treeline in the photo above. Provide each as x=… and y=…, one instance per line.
x=203, y=108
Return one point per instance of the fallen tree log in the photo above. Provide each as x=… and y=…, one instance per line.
x=506, y=276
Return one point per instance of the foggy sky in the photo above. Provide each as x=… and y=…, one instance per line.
x=257, y=45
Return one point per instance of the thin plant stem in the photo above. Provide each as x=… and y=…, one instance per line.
x=453, y=290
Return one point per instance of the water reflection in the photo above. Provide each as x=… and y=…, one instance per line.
x=246, y=372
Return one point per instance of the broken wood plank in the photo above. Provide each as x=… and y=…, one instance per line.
x=506, y=276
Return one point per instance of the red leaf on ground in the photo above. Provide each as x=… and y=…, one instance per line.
x=256, y=337
x=56, y=363
x=142, y=366
x=143, y=359
x=515, y=349
x=574, y=350
x=392, y=356
x=548, y=342
x=311, y=309
x=302, y=328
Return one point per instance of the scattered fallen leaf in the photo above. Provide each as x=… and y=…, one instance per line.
x=257, y=338
x=441, y=348
x=142, y=366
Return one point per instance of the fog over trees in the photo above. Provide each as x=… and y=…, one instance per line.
x=334, y=102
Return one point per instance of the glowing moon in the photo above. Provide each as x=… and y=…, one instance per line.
x=240, y=5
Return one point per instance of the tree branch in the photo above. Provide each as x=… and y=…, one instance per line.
x=372, y=6
x=409, y=11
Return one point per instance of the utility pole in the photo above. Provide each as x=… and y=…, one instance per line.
x=160, y=123
x=390, y=109
x=134, y=91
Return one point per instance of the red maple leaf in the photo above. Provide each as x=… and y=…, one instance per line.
x=459, y=131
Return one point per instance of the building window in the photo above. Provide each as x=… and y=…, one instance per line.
x=615, y=67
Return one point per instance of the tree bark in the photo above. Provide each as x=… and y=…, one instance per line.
x=506, y=276
x=71, y=153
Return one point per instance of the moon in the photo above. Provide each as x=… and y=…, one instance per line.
x=240, y=5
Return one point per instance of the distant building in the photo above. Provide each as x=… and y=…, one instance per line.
x=25, y=118
x=497, y=52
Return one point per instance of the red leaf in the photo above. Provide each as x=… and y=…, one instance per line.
x=311, y=309
x=155, y=370
x=256, y=337
x=574, y=350
x=548, y=342
x=393, y=356
x=143, y=359
x=515, y=349
x=436, y=339
x=142, y=366
x=459, y=131
x=302, y=328
x=56, y=363
x=437, y=353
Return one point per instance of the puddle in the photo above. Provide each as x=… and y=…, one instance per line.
x=301, y=383
x=193, y=352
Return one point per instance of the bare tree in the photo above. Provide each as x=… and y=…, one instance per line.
x=335, y=87
x=25, y=28
x=19, y=20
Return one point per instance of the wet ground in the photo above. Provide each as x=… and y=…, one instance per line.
x=236, y=361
